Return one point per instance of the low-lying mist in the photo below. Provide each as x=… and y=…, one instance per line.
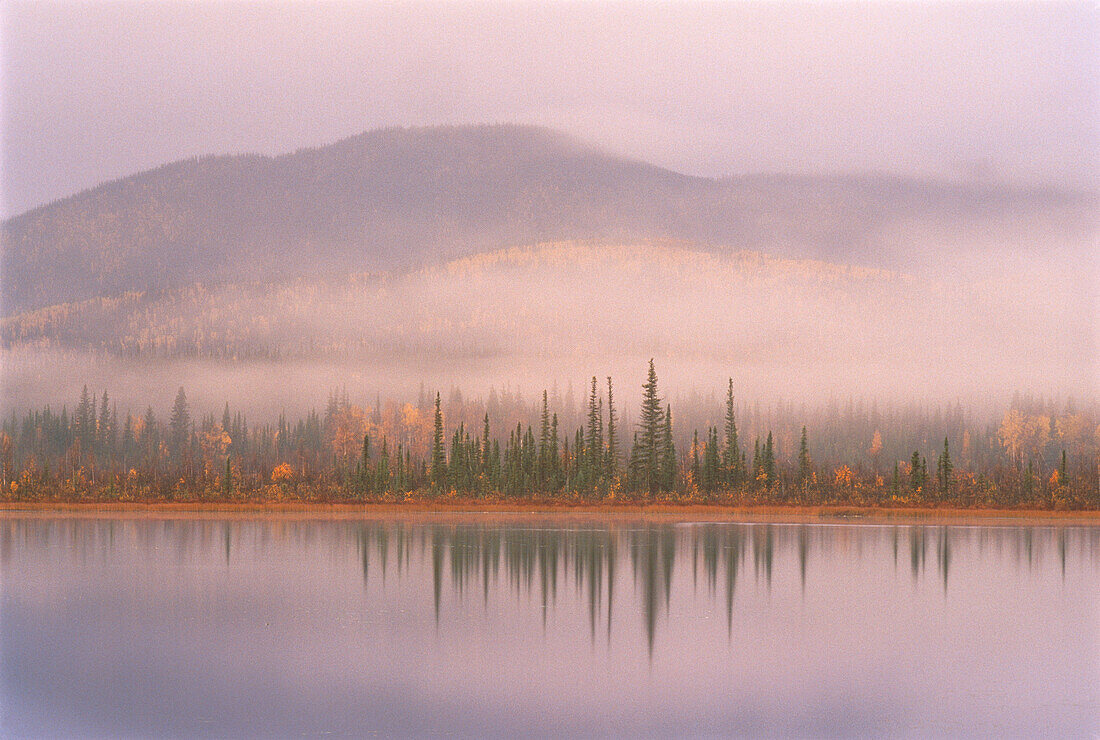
x=553, y=316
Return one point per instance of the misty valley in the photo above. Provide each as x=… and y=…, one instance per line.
x=938, y=357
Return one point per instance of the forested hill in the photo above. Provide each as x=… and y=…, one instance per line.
x=403, y=197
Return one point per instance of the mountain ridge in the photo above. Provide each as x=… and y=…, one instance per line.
x=401, y=197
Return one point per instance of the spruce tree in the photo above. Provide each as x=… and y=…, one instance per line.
x=804, y=471
x=103, y=428
x=769, y=463
x=712, y=461
x=544, y=442
x=612, y=453
x=179, y=426
x=594, y=437
x=486, y=463
x=650, y=430
x=84, y=420
x=439, y=461
x=732, y=459
x=944, y=468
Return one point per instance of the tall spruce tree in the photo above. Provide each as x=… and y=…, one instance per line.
x=804, y=469
x=648, y=445
x=944, y=469
x=917, y=472
x=732, y=459
x=179, y=426
x=770, y=471
x=712, y=464
x=594, y=437
x=486, y=463
x=544, y=442
x=103, y=427
x=611, y=467
x=84, y=420
x=439, y=461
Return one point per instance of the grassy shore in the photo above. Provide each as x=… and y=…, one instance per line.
x=474, y=509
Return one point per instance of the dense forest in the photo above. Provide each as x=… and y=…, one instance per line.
x=1039, y=454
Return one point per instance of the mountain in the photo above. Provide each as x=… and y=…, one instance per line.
x=401, y=198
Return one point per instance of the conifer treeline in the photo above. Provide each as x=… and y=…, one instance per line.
x=1030, y=459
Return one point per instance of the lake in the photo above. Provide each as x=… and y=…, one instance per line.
x=421, y=624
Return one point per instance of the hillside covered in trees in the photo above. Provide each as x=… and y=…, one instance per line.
x=399, y=198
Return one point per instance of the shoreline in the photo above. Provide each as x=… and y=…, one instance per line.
x=472, y=510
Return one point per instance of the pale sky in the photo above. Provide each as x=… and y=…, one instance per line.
x=96, y=91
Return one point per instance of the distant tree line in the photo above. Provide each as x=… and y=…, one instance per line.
x=1034, y=458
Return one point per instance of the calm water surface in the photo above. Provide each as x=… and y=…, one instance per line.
x=514, y=625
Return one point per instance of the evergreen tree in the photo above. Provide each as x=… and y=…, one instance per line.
x=594, y=437
x=439, y=460
x=103, y=429
x=486, y=459
x=804, y=470
x=732, y=458
x=179, y=426
x=612, y=452
x=647, y=452
x=544, y=442
x=944, y=468
x=84, y=420
x=769, y=463
x=712, y=461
